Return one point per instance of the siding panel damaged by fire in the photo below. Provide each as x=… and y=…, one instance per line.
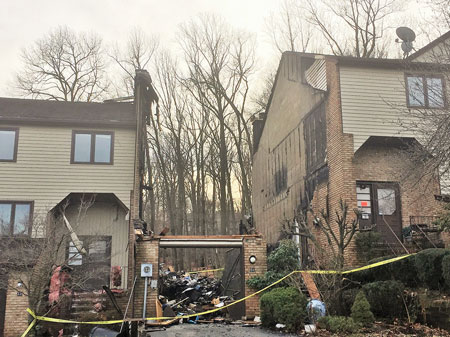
x=315, y=142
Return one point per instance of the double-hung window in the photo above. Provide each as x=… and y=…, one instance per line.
x=8, y=144
x=15, y=218
x=425, y=91
x=92, y=147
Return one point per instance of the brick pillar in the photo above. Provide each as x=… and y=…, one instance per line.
x=146, y=252
x=16, y=316
x=253, y=246
x=342, y=184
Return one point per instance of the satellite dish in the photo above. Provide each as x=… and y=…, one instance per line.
x=406, y=34
x=407, y=47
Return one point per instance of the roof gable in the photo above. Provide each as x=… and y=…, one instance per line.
x=442, y=40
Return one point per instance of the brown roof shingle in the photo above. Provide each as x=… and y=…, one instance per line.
x=30, y=111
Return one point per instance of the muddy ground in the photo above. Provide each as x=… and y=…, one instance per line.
x=215, y=330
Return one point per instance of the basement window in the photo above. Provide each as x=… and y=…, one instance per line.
x=92, y=147
x=15, y=218
x=425, y=91
x=74, y=256
x=8, y=144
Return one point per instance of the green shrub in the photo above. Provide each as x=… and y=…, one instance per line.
x=403, y=270
x=443, y=221
x=284, y=259
x=260, y=282
x=338, y=324
x=361, y=310
x=380, y=273
x=429, y=267
x=348, y=298
x=280, y=262
x=446, y=270
x=368, y=244
x=385, y=298
x=285, y=306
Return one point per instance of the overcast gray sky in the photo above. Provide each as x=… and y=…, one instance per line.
x=24, y=21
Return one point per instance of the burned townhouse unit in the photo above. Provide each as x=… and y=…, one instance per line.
x=336, y=128
x=71, y=181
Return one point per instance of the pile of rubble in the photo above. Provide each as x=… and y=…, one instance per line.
x=187, y=293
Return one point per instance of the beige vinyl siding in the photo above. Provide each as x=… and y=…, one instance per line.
x=43, y=172
x=437, y=54
x=373, y=103
x=105, y=219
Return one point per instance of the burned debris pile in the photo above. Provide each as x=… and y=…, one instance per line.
x=188, y=293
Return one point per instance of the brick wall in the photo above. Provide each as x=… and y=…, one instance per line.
x=341, y=184
x=384, y=162
x=376, y=163
x=16, y=316
x=146, y=252
x=254, y=246
x=282, y=143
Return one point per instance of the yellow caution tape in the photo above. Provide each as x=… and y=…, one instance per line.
x=57, y=320
x=204, y=271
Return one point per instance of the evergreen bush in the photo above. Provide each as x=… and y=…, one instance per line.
x=338, y=324
x=348, y=298
x=446, y=270
x=361, y=313
x=429, y=267
x=403, y=270
x=280, y=262
x=368, y=244
x=385, y=298
x=380, y=273
x=284, y=259
x=285, y=306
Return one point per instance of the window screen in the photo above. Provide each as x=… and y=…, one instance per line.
x=74, y=258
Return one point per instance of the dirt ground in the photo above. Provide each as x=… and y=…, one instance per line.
x=215, y=330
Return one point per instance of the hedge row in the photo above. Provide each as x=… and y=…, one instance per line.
x=429, y=268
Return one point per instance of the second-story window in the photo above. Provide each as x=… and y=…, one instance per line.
x=425, y=91
x=8, y=144
x=92, y=147
x=15, y=218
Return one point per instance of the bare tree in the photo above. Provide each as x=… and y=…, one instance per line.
x=428, y=116
x=261, y=100
x=136, y=53
x=441, y=15
x=64, y=66
x=352, y=27
x=30, y=262
x=289, y=30
x=220, y=62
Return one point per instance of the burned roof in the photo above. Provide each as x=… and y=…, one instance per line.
x=42, y=112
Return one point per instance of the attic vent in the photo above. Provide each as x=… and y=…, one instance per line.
x=316, y=75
